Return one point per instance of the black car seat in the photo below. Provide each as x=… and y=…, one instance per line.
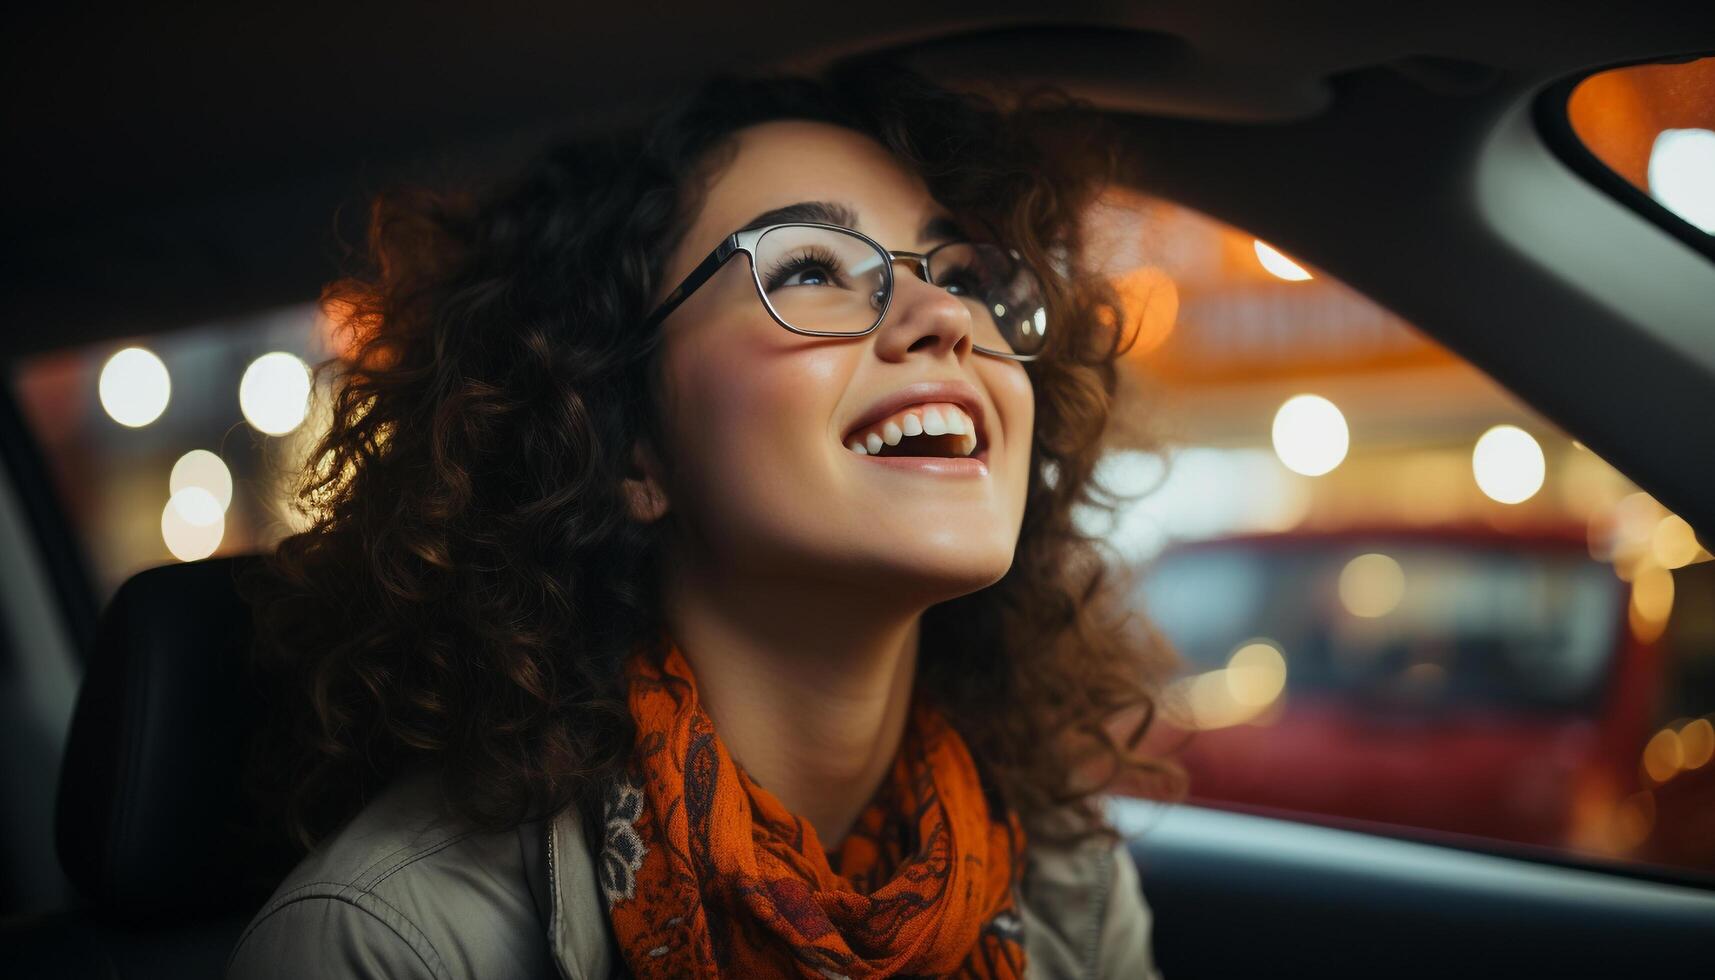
x=152, y=827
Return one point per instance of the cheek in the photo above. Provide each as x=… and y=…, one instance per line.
x=1015, y=401
x=750, y=426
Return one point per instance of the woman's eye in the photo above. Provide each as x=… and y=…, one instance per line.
x=806, y=270
x=961, y=283
x=811, y=276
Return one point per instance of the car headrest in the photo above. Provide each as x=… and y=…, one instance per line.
x=151, y=817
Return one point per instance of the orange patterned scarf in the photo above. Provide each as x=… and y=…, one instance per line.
x=706, y=874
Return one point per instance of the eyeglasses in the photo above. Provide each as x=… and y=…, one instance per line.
x=825, y=280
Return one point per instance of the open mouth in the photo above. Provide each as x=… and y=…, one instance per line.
x=934, y=430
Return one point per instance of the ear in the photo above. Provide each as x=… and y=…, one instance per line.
x=645, y=497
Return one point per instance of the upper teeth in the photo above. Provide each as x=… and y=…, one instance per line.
x=933, y=419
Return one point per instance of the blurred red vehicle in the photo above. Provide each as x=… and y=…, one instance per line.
x=1456, y=681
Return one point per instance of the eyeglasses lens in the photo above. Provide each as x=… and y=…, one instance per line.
x=831, y=281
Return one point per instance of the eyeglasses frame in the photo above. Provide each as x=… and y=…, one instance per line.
x=745, y=241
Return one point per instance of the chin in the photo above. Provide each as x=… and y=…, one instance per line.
x=959, y=573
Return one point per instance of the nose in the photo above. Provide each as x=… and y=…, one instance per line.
x=922, y=313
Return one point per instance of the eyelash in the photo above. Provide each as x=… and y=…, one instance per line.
x=814, y=258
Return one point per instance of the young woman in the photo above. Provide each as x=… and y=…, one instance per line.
x=693, y=589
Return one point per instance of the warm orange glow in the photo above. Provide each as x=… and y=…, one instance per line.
x=1663, y=756
x=1645, y=629
x=1652, y=601
x=1625, y=535
x=1673, y=543
x=343, y=331
x=1151, y=302
x=334, y=327
x=1593, y=806
x=1697, y=743
x=1618, y=114
x=1633, y=820
x=1278, y=264
x=1429, y=487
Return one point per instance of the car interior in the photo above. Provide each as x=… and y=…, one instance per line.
x=182, y=164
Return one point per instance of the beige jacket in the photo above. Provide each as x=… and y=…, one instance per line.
x=402, y=891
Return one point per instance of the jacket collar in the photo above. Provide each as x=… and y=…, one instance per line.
x=577, y=921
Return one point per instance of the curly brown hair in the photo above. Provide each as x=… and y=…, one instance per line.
x=470, y=580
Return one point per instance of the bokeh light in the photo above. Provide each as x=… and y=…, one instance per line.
x=1243, y=691
x=1277, y=264
x=1697, y=743
x=190, y=540
x=1371, y=585
x=1673, y=544
x=1310, y=435
x=1663, y=755
x=1625, y=535
x=1427, y=678
x=1652, y=602
x=1508, y=464
x=1682, y=175
x=197, y=506
x=1256, y=674
x=274, y=393
x=134, y=387
x=201, y=468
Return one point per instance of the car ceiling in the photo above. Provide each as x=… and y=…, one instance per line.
x=169, y=167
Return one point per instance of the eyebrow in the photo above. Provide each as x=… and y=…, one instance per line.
x=937, y=228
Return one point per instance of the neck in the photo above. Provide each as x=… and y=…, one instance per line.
x=808, y=687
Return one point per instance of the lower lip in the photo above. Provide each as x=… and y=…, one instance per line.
x=976, y=465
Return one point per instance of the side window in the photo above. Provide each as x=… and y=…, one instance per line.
x=1402, y=601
